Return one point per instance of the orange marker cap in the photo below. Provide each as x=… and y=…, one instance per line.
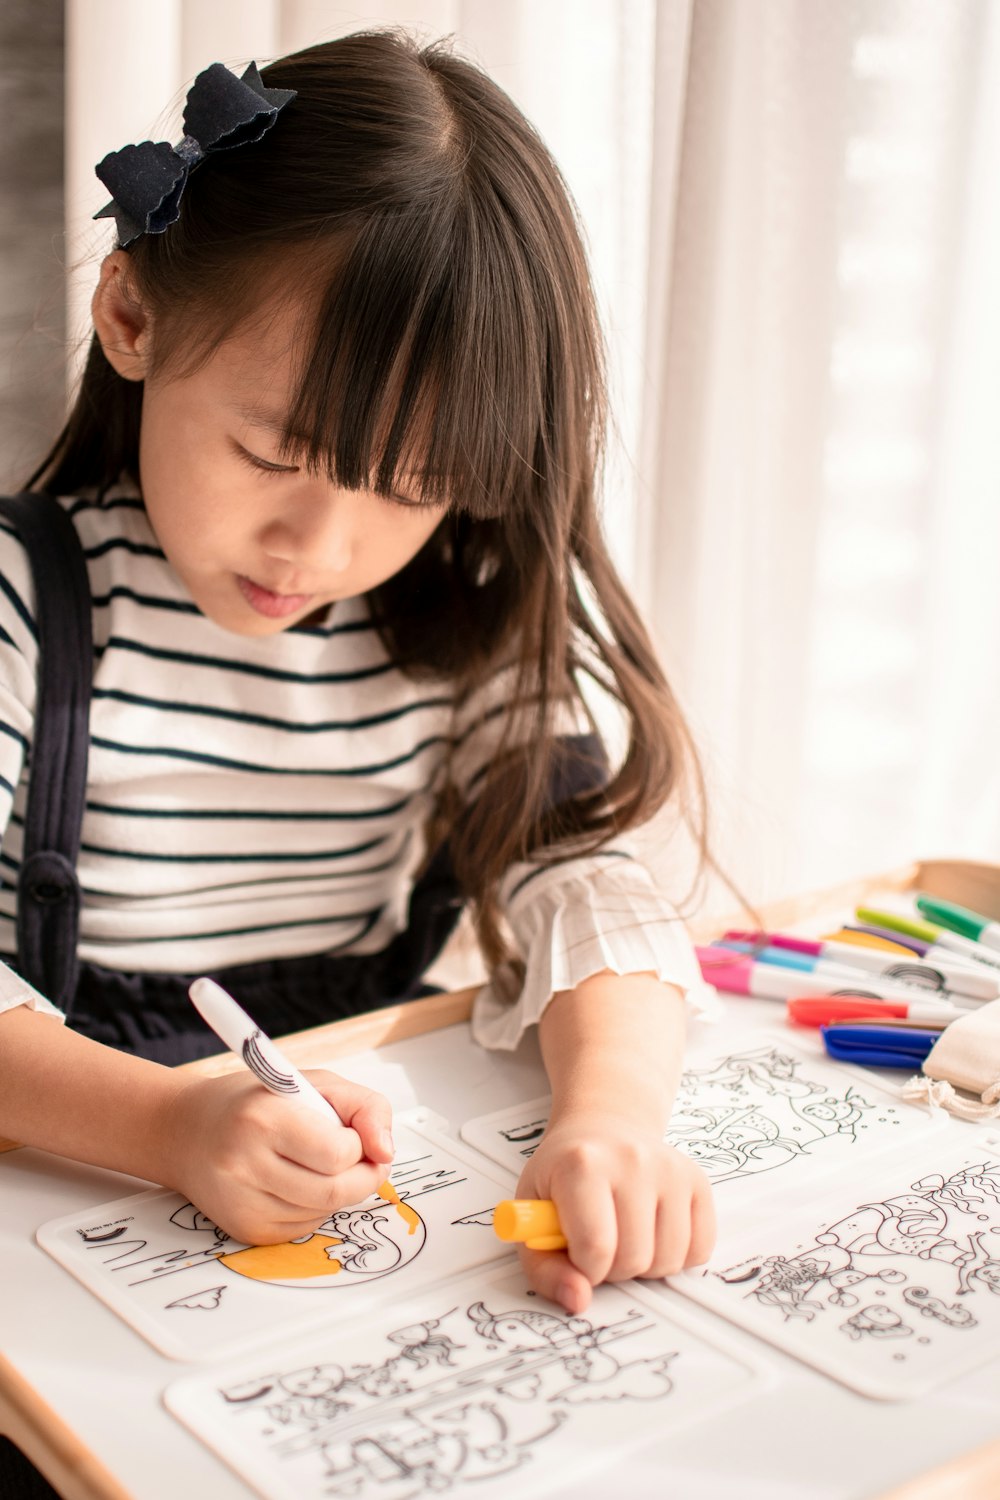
x=529, y=1221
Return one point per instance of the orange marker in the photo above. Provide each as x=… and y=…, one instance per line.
x=529, y=1221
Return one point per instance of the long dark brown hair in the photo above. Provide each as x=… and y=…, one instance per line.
x=454, y=318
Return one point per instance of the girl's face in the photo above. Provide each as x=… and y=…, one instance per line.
x=260, y=543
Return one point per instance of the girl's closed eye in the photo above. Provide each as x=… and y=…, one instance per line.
x=262, y=465
x=266, y=466
x=401, y=502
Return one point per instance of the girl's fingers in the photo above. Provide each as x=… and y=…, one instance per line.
x=359, y=1183
x=306, y=1140
x=262, y=1219
x=673, y=1235
x=303, y=1191
x=552, y=1275
x=309, y=1193
x=365, y=1111
x=266, y=1217
x=293, y=1194
x=637, y=1218
x=589, y=1221
x=702, y=1228
x=685, y=1229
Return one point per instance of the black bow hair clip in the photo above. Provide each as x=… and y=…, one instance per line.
x=147, y=181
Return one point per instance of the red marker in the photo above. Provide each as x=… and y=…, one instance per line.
x=822, y=1011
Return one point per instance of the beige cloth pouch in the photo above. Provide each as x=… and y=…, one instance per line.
x=961, y=1073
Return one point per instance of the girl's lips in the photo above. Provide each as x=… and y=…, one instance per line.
x=265, y=602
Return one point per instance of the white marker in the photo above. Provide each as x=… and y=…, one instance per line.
x=243, y=1036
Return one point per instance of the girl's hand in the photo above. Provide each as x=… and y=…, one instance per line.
x=266, y=1170
x=629, y=1205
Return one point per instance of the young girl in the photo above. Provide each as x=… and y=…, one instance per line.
x=332, y=469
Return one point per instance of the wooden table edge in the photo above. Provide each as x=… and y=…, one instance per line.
x=51, y=1445
x=972, y=1476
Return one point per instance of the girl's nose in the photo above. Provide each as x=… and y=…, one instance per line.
x=311, y=535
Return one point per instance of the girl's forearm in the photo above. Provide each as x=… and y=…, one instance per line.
x=615, y=1045
x=67, y=1094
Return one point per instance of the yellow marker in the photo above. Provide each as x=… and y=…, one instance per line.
x=867, y=940
x=529, y=1221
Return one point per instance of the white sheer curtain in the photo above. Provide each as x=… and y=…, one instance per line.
x=820, y=465
x=793, y=216
x=959, y=780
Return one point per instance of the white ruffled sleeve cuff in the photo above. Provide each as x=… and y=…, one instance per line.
x=575, y=919
x=16, y=991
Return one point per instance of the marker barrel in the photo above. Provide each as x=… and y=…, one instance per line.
x=961, y=919
x=533, y=1222
x=242, y=1035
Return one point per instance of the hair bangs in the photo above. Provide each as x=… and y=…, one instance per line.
x=422, y=371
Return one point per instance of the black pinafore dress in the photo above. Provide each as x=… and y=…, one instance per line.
x=150, y=1014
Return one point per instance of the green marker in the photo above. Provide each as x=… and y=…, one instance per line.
x=969, y=924
x=942, y=937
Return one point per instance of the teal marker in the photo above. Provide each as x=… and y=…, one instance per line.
x=929, y=933
x=968, y=924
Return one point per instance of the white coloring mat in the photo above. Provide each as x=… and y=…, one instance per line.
x=194, y=1293
x=475, y=1388
x=886, y=1277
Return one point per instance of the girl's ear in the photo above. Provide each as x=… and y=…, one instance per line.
x=124, y=326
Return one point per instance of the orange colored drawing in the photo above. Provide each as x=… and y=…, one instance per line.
x=292, y=1261
x=407, y=1214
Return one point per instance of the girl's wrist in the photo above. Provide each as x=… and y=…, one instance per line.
x=162, y=1126
x=613, y=1049
x=145, y=1093
x=64, y=1093
x=639, y=1111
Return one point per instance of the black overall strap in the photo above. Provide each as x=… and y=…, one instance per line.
x=48, y=892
